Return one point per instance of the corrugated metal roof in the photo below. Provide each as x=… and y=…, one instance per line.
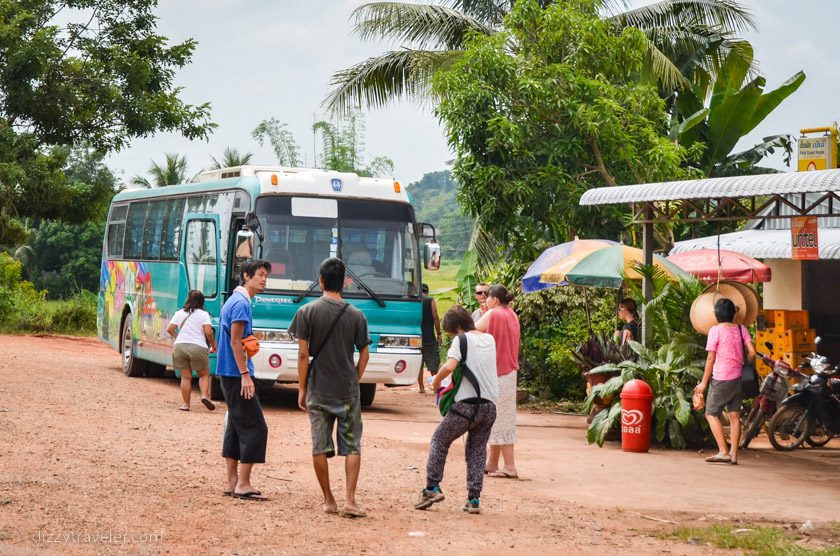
x=763, y=244
x=714, y=188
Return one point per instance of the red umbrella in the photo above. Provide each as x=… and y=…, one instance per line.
x=710, y=264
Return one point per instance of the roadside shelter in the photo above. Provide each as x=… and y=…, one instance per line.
x=768, y=203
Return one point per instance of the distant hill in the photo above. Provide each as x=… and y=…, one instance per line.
x=434, y=202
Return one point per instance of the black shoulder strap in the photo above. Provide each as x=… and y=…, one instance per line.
x=329, y=333
x=462, y=343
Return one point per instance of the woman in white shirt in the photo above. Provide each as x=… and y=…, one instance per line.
x=194, y=341
x=472, y=412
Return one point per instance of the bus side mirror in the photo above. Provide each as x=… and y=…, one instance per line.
x=426, y=231
x=244, y=244
x=431, y=255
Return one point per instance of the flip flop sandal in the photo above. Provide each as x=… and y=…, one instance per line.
x=502, y=475
x=208, y=404
x=353, y=513
x=230, y=492
x=717, y=458
x=182, y=408
x=253, y=495
x=331, y=511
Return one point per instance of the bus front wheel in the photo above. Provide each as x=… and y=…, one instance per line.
x=132, y=366
x=367, y=392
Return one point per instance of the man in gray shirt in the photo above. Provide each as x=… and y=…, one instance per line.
x=329, y=330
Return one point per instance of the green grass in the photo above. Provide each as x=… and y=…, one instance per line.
x=442, y=279
x=763, y=540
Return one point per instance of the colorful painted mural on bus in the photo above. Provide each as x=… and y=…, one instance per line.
x=130, y=283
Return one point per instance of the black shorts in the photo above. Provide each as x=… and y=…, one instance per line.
x=246, y=433
x=431, y=357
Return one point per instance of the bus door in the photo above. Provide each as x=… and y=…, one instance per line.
x=200, y=261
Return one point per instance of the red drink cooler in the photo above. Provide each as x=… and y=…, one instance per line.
x=636, y=414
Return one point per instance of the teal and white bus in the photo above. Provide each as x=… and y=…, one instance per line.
x=161, y=243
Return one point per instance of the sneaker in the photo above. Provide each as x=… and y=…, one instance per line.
x=473, y=506
x=429, y=497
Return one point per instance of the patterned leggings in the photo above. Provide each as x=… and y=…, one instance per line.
x=474, y=419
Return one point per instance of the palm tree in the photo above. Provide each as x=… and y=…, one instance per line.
x=678, y=32
x=171, y=172
x=230, y=159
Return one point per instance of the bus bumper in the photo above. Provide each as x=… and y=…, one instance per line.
x=381, y=368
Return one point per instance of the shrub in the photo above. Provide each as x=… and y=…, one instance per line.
x=76, y=315
x=22, y=307
x=25, y=309
x=672, y=371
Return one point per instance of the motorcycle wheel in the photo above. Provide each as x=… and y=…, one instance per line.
x=789, y=427
x=753, y=427
x=819, y=437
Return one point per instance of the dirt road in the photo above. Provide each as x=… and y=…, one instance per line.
x=93, y=461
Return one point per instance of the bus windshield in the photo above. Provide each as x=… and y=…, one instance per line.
x=375, y=239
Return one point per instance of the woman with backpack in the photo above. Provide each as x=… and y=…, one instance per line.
x=472, y=412
x=194, y=341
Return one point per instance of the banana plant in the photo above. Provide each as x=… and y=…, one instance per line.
x=718, y=113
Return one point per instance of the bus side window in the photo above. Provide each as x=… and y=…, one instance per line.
x=170, y=241
x=133, y=246
x=152, y=230
x=116, y=232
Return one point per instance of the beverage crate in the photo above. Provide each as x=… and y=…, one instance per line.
x=799, y=340
x=762, y=368
x=786, y=320
x=794, y=359
x=772, y=335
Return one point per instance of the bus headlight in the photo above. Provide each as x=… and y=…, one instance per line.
x=415, y=342
x=267, y=335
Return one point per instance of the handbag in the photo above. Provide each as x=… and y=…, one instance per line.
x=311, y=367
x=251, y=345
x=446, y=396
x=749, y=376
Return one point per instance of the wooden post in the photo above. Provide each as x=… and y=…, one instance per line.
x=647, y=285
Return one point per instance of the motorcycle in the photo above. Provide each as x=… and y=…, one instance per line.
x=774, y=389
x=812, y=413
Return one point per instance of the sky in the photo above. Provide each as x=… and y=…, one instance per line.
x=257, y=58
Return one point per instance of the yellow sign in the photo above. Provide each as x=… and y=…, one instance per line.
x=818, y=153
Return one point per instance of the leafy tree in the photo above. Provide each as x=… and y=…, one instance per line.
x=281, y=140
x=433, y=37
x=544, y=110
x=68, y=257
x=435, y=202
x=342, y=145
x=172, y=172
x=230, y=159
x=81, y=73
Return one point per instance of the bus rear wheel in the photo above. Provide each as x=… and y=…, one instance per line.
x=132, y=366
x=367, y=392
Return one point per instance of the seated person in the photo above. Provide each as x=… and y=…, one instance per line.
x=361, y=263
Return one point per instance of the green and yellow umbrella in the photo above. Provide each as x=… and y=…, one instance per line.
x=605, y=267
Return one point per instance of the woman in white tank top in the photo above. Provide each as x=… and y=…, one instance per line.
x=194, y=341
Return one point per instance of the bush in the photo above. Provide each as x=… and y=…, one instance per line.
x=25, y=309
x=22, y=307
x=76, y=315
x=553, y=325
x=672, y=371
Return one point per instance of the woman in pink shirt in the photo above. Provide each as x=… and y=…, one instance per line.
x=502, y=323
x=726, y=344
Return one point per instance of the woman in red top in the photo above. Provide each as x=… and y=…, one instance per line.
x=502, y=323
